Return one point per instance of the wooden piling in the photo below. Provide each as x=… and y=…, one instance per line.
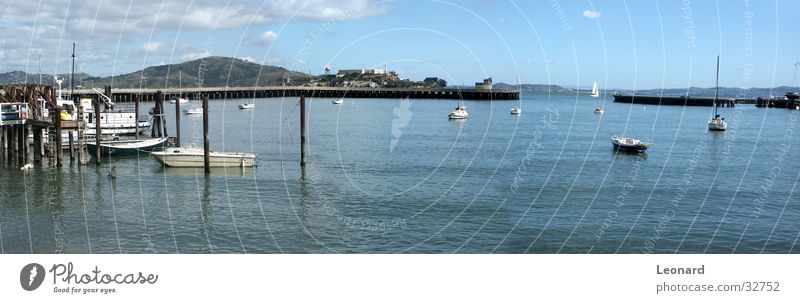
x=25, y=150
x=37, y=145
x=136, y=113
x=97, y=130
x=21, y=144
x=57, y=136
x=302, y=130
x=178, y=122
x=71, y=147
x=206, y=157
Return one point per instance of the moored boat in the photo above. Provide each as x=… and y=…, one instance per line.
x=247, y=106
x=194, y=157
x=338, y=101
x=628, y=144
x=126, y=147
x=193, y=111
x=460, y=112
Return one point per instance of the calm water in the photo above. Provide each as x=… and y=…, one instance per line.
x=391, y=176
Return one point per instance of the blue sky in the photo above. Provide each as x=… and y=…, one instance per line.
x=620, y=44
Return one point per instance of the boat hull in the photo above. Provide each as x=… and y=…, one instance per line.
x=126, y=147
x=195, y=158
x=633, y=148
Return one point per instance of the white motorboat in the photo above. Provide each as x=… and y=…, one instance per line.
x=460, y=112
x=194, y=157
x=193, y=111
x=717, y=122
x=338, y=101
x=181, y=100
x=598, y=110
x=247, y=106
x=517, y=109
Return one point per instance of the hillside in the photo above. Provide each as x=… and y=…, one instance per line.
x=205, y=72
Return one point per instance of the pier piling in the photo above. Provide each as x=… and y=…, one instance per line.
x=97, y=131
x=57, y=136
x=206, y=157
x=302, y=131
x=178, y=122
x=136, y=113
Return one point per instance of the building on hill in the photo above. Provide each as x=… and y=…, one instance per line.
x=372, y=71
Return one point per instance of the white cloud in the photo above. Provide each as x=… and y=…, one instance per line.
x=267, y=38
x=195, y=56
x=592, y=14
x=152, y=46
x=248, y=59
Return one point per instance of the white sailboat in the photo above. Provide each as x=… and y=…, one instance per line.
x=596, y=94
x=717, y=122
x=180, y=86
x=595, y=91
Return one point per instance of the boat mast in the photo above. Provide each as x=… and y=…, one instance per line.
x=716, y=93
x=72, y=78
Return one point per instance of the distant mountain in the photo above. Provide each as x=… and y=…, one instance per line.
x=206, y=72
x=19, y=77
x=533, y=88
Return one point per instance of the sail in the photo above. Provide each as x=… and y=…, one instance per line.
x=595, y=91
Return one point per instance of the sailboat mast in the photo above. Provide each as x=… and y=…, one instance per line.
x=716, y=92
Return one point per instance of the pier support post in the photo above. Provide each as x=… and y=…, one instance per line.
x=25, y=150
x=98, y=130
x=206, y=159
x=71, y=147
x=57, y=137
x=37, y=145
x=136, y=114
x=21, y=142
x=302, y=130
x=178, y=121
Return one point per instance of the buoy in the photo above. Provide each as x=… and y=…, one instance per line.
x=113, y=173
x=26, y=167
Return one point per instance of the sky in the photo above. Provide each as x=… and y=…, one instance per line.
x=620, y=44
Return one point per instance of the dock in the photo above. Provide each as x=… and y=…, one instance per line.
x=147, y=94
x=23, y=112
x=676, y=100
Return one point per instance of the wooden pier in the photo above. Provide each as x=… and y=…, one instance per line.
x=24, y=113
x=144, y=94
x=675, y=100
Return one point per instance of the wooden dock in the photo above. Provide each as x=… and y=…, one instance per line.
x=23, y=113
x=675, y=100
x=146, y=94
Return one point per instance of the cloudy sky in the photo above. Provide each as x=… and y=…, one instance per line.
x=620, y=44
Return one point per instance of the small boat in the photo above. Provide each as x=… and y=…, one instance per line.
x=126, y=147
x=193, y=111
x=338, y=101
x=181, y=100
x=194, y=157
x=717, y=123
x=598, y=110
x=628, y=144
x=595, y=90
x=460, y=112
x=247, y=106
x=517, y=109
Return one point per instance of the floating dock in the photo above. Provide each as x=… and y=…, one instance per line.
x=128, y=94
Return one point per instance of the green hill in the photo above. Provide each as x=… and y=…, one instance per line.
x=205, y=72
